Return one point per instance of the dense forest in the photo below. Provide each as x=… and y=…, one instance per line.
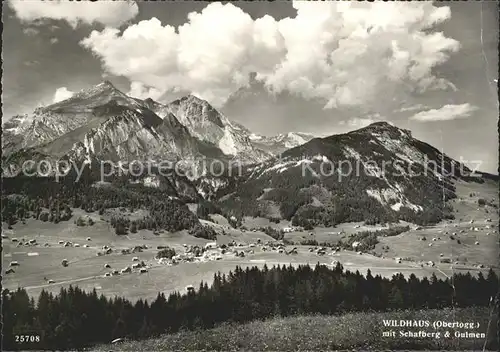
x=48, y=199
x=75, y=319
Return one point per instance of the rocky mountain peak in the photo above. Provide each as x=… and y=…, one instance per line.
x=384, y=128
x=92, y=97
x=196, y=112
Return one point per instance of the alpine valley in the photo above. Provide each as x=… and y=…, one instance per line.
x=374, y=198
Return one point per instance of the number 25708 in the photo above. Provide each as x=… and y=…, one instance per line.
x=27, y=338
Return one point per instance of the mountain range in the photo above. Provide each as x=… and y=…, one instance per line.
x=378, y=173
x=375, y=174
x=103, y=123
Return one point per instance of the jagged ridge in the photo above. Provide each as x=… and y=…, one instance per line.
x=102, y=122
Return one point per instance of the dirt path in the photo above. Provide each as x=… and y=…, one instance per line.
x=27, y=288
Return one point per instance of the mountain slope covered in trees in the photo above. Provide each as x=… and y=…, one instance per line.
x=379, y=173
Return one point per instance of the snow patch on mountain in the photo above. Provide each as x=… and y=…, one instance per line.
x=351, y=153
x=294, y=139
x=207, y=187
x=385, y=196
x=227, y=143
x=255, y=137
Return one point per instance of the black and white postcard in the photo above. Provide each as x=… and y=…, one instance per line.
x=250, y=176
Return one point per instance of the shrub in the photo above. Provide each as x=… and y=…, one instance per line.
x=274, y=220
x=274, y=233
x=44, y=216
x=120, y=229
x=133, y=227
x=205, y=208
x=205, y=232
x=167, y=252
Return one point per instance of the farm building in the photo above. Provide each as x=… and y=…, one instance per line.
x=211, y=245
x=137, y=249
x=126, y=270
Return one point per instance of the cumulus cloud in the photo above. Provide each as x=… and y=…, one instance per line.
x=412, y=108
x=359, y=122
x=445, y=113
x=138, y=90
x=61, y=94
x=342, y=53
x=30, y=31
x=109, y=13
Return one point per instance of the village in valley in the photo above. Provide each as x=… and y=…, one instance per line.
x=146, y=262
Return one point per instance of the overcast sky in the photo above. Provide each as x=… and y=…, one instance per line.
x=275, y=67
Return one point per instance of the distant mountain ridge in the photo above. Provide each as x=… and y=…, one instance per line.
x=104, y=123
x=281, y=142
x=362, y=175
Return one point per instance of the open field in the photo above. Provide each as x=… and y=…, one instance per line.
x=478, y=239
x=40, y=263
x=86, y=268
x=357, y=331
